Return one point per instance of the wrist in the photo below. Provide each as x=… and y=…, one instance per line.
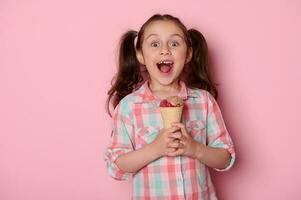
x=154, y=150
x=199, y=151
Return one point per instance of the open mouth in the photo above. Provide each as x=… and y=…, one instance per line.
x=165, y=66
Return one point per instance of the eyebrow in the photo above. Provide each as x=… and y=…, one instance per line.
x=175, y=34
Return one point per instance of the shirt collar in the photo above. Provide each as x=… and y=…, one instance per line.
x=147, y=94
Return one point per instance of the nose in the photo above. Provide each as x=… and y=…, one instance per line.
x=165, y=50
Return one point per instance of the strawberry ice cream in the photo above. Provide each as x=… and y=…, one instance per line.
x=171, y=110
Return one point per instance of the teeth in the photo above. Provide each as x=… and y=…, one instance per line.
x=165, y=62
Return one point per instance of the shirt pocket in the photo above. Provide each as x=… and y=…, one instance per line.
x=197, y=130
x=146, y=135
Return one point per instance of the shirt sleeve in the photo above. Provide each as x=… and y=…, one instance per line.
x=120, y=143
x=217, y=134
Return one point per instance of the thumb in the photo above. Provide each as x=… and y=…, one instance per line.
x=182, y=127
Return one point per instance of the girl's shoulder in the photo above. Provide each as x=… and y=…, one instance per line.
x=129, y=100
x=134, y=97
x=200, y=96
x=198, y=93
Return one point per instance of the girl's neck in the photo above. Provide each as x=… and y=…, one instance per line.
x=163, y=91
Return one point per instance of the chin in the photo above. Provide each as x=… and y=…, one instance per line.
x=168, y=81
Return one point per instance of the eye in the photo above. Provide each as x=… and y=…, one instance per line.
x=155, y=44
x=174, y=43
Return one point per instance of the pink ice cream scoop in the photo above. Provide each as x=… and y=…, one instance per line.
x=171, y=110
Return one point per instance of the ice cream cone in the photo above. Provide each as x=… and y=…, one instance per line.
x=170, y=115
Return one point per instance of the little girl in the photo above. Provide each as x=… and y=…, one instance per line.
x=165, y=60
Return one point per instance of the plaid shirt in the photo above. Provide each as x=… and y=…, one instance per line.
x=137, y=121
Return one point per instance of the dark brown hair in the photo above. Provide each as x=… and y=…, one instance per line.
x=129, y=77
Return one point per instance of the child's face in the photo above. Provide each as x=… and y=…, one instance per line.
x=164, y=52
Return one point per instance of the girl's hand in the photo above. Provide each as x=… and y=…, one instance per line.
x=167, y=141
x=188, y=146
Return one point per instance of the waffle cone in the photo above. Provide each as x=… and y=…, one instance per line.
x=170, y=115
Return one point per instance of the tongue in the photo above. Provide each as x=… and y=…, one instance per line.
x=165, y=68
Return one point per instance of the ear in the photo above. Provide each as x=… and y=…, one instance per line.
x=189, y=55
x=140, y=57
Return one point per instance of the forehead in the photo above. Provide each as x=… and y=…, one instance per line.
x=163, y=28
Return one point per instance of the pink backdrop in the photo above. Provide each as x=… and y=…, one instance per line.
x=56, y=62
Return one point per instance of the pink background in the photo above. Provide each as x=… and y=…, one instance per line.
x=56, y=62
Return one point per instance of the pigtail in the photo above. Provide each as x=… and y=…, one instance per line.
x=198, y=72
x=128, y=75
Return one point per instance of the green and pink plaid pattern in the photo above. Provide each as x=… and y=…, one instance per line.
x=137, y=121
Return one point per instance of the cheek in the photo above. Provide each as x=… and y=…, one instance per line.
x=181, y=54
x=149, y=56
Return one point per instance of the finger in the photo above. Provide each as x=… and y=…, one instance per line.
x=184, y=132
x=168, y=140
x=178, y=152
x=176, y=135
x=183, y=140
x=170, y=150
x=177, y=124
x=181, y=146
x=168, y=130
x=174, y=144
x=173, y=129
x=181, y=126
